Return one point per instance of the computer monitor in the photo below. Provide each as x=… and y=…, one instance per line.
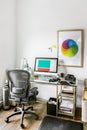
x=46, y=66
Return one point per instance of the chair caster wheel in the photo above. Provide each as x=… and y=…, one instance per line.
x=22, y=126
x=36, y=118
x=15, y=109
x=32, y=108
x=7, y=120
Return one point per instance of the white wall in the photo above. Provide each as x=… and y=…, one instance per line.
x=7, y=36
x=38, y=22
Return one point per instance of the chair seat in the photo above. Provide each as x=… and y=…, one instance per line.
x=17, y=90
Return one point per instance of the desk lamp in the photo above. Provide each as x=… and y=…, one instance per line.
x=52, y=47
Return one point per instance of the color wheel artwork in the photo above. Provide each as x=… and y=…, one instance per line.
x=70, y=47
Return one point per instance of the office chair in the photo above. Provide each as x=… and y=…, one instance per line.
x=19, y=92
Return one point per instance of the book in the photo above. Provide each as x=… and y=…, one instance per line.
x=66, y=104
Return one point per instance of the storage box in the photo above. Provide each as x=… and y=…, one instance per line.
x=51, y=106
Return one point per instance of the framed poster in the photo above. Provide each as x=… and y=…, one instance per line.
x=70, y=47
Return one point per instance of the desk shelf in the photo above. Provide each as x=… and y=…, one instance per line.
x=66, y=99
x=65, y=94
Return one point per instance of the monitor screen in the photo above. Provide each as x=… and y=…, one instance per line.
x=46, y=65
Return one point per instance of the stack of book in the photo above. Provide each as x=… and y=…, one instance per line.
x=66, y=102
x=66, y=106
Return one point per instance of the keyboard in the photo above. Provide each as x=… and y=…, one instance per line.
x=42, y=81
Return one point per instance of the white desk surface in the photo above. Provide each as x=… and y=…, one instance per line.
x=44, y=82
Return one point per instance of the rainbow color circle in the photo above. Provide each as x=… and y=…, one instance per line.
x=69, y=48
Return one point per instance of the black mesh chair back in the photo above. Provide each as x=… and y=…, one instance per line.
x=19, y=84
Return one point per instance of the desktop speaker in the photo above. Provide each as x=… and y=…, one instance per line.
x=6, y=97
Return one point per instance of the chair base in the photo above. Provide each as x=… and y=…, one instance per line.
x=22, y=111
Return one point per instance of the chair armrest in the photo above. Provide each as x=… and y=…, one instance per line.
x=33, y=90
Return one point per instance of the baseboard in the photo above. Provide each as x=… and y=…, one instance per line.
x=41, y=99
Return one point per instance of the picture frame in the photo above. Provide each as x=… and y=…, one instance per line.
x=70, y=47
